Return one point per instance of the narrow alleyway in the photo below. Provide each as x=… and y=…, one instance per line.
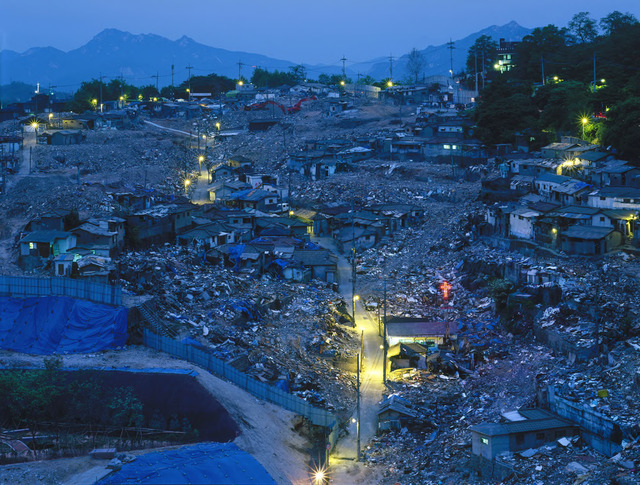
x=371, y=386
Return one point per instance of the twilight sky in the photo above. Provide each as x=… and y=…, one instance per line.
x=295, y=30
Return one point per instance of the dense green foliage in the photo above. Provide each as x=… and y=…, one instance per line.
x=553, y=86
x=44, y=399
x=263, y=78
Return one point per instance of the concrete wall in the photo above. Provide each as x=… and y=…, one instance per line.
x=601, y=433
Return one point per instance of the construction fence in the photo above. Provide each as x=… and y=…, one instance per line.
x=201, y=357
x=33, y=286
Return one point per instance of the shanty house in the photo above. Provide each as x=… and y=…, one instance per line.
x=418, y=330
x=395, y=413
x=590, y=240
x=488, y=440
x=322, y=263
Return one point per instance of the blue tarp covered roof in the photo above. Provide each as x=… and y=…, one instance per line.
x=204, y=463
x=60, y=324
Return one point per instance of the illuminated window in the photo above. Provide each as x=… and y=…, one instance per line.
x=32, y=245
x=447, y=147
x=485, y=441
x=455, y=147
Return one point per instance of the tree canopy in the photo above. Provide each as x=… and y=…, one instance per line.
x=560, y=76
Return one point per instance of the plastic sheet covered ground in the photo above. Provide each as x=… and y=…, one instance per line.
x=204, y=463
x=60, y=324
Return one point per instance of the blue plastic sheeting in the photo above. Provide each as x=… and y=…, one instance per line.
x=60, y=324
x=204, y=463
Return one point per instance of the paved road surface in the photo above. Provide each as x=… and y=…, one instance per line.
x=371, y=386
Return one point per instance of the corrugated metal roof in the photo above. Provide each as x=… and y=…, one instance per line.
x=525, y=426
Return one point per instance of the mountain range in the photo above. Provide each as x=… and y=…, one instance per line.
x=138, y=58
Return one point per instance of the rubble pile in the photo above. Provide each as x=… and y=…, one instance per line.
x=435, y=448
x=279, y=332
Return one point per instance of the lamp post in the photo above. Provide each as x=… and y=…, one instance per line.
x=200, y=160
x=187, y=182
x=584, y=122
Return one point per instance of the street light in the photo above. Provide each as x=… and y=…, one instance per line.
x=94, y=102
x=584, y=122
x=200, y=160
x=389, y=83
x=187, y=182
x=218, y=125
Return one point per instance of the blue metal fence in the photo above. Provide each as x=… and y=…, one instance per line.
x=29, y=286
x=266, y=392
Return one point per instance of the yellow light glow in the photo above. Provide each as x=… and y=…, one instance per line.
x=341, y=83
x=319, y=476
x=240, y=83
x=555, y=78
x=218, y=126
x=187, y=182
x=50, y=115
x=34, y=125
x=94, y=101
x=353, y=420
x=554, y=230
x=389, y=83
x=585, y=121
x=201, y=158
x=496, y=66
x=291, y=213
x=121, y=98
x=188, y=90
x=356, y=297
x=603, y=81
x=155, y=99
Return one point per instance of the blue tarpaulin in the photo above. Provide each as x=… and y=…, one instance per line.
x=204, y=463
x=60, y=324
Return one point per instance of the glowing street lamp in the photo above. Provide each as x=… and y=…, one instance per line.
x=218, y=125
x=389, y=83
x=94, y=102
x=200, y=160
x=584, y=122
x=187, y=182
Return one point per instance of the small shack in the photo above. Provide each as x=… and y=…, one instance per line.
x=535, y=428
x=395, y=413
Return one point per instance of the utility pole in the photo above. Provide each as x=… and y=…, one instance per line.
x=476, y=68
x=188, y=68
x=172, y=70
x=240, y=64
x=384, y=332
x=157, y=76
x=344, y=70
x=391, y=67
x=450, y=46
x=358, y=406
x=593, y=89
x=542, y=67
x=101, y=76
x=484, y=74
x=353, y=265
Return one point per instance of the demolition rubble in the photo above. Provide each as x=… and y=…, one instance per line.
x=253, y=275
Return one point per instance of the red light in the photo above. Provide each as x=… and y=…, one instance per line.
x=445, y=287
